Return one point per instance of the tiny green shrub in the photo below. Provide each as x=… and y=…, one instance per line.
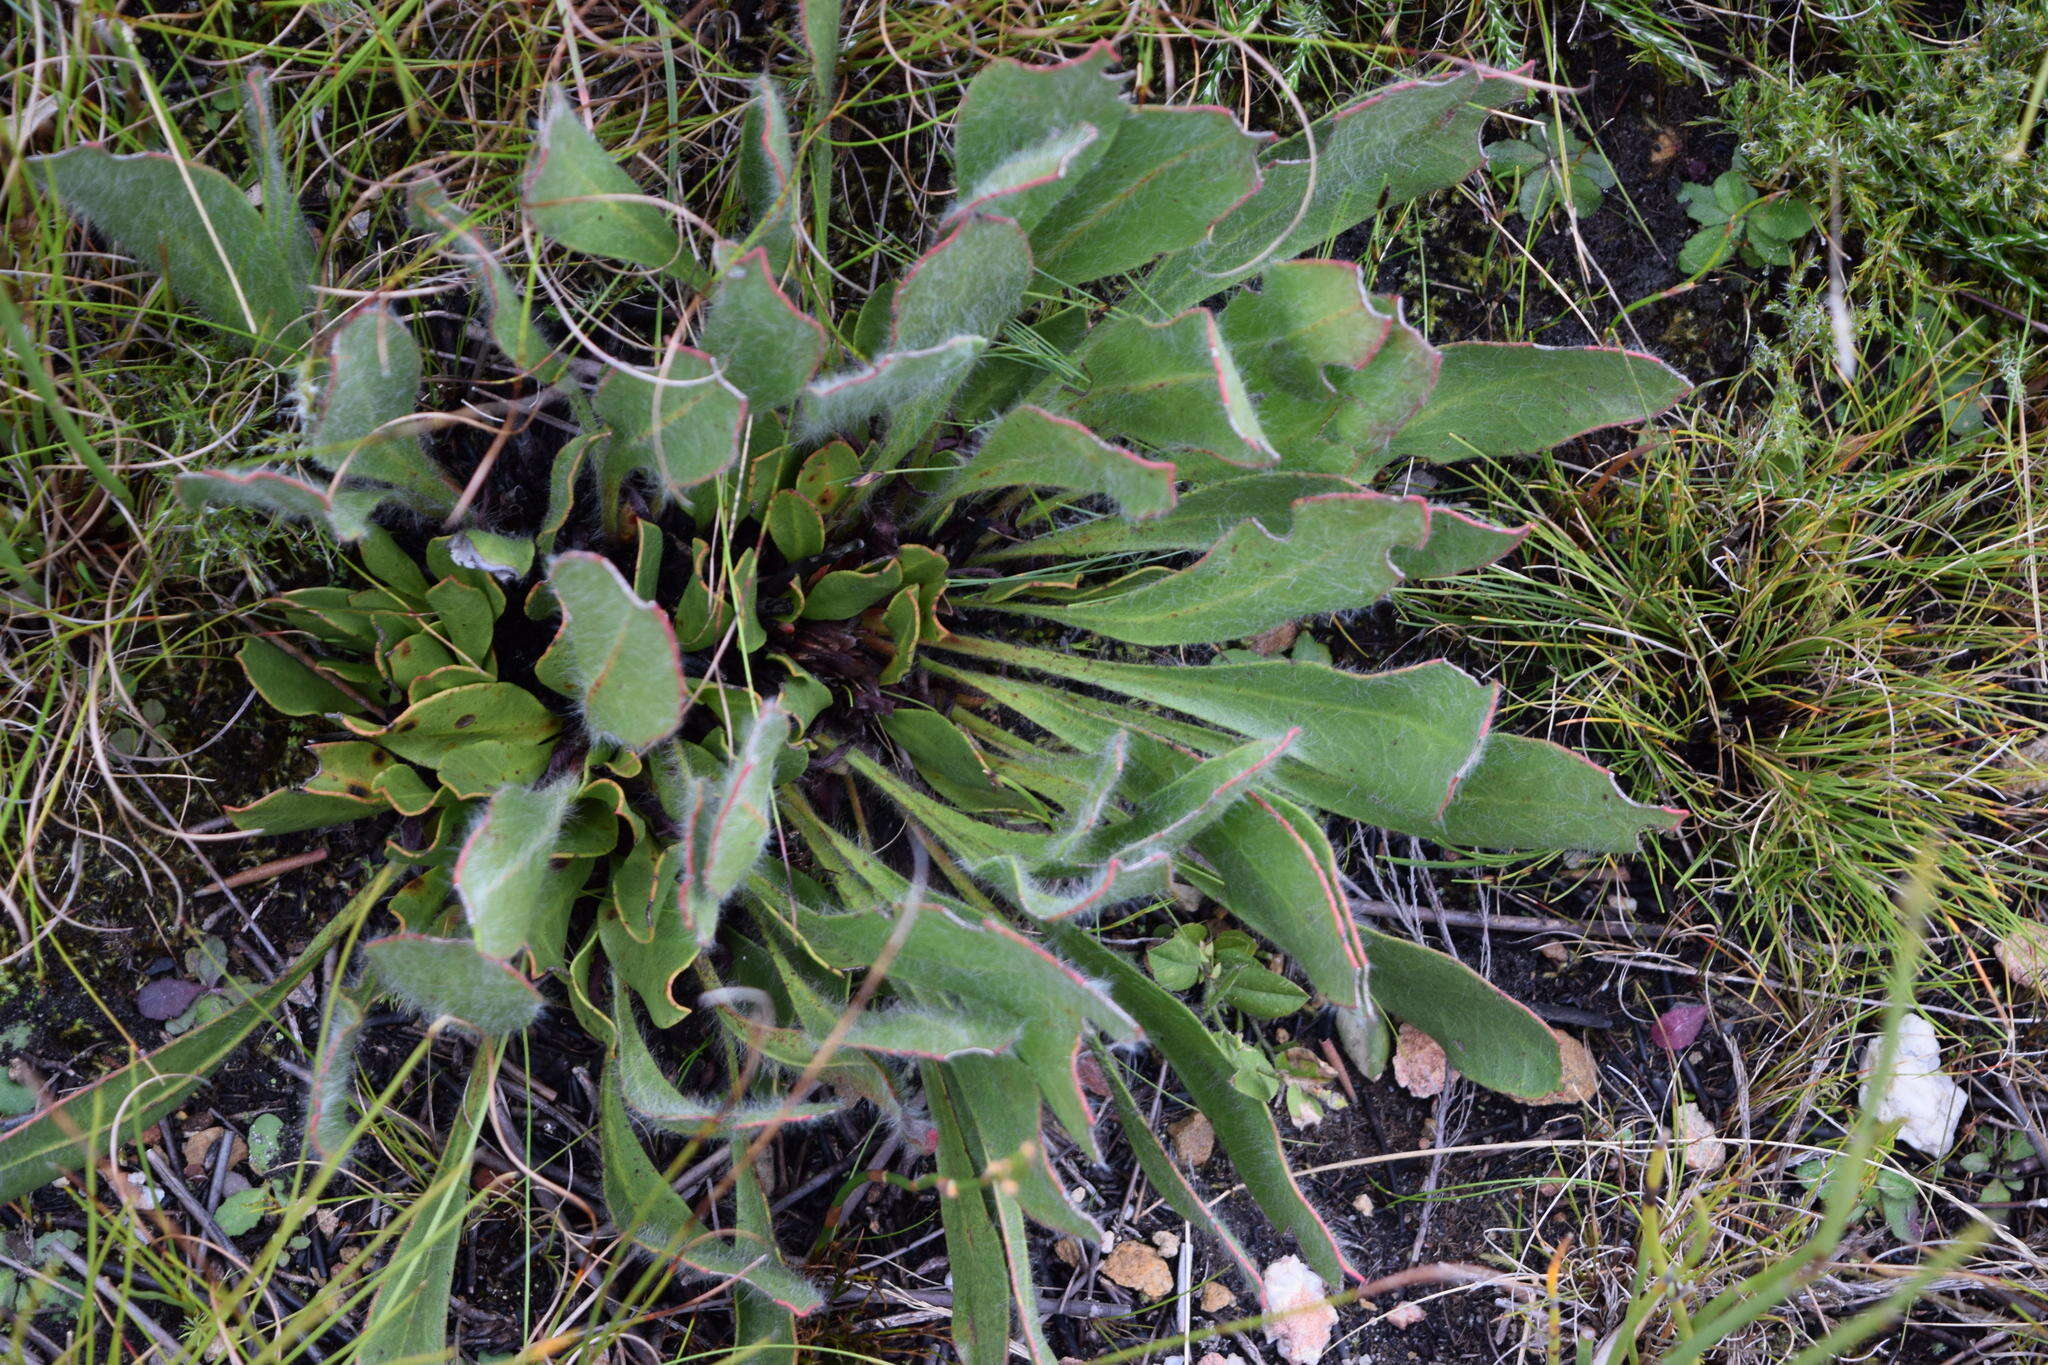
x=925, y=599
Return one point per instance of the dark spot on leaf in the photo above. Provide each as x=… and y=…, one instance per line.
x=167, y=997
x=464, y=722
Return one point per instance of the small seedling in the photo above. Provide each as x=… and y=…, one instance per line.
x=1734, y=219
x=1552, y=165
x=1229, y=964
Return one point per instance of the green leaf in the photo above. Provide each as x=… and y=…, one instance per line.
x=681, y=427
x=1487, y=1036
x=370, y=384
x=1386, y=748
x=1243, y=1125
x=1513, y=399
x=946, y=760
x=653, y=1217
x=1509, y=158
x=451, y=977
x=622, y=655
x=931, y=1034
x=1162, y=181
x=765, y=347
x=1002, y=1105
x=1786, y=220
x=1163, y=1174
x=1336, y=556
x=1258, y=992
x=576, y=194
x=1197, y=521
x=1304, y=317
x=1701, y=206
x=897, y=385
x=215, y=250
x=76, y=1129
x=468, y=618
x=407, y=1321
x=478, y=769
x=504, y=557
x=244, y=1209
x=1706, y=249
x=970, y=284
x=795, y=525
x=283, y=493
x=430, y=730
x=846, y=593
x=1177, y=961
x=974, y=1253
x=509, y=313
x=651, y=1096
x=1171, y=385
x=726, y=822
x=1021, y=187
x=501, y=874
x=290, y=686
x=1457, y=544
x=1530, y=793
x=986, y=962
x=1013, y=113
x=1172, y=812
x=1393, y=146
x=768, y=176
x=1031, y=447
x=1732, y=192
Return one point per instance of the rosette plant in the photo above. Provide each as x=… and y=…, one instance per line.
x=850, y=675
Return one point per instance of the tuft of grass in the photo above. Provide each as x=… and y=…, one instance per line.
x=1810, y=617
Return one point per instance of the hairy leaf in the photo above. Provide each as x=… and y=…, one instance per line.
x=1011, y=110
x=1386, y=748
x=1394, y=145
x=371, y=382
x=898, y=384
x=1337, y=556
x=1513, y=399
x=768, y=176
x=621, y=652
x=1166, y=176
x=215, y=250
x=1171, y=386
x=765, y=347
x=451, y=977
x=577, y=195
x=981, y=1289
x=1243, y=1124
x=970, y=284
x=653, y=1217
x=502, y=873
x=1032, y=447
x=681, y=427
x=509, y=313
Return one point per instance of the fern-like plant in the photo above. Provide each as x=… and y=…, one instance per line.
x=931, y=604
